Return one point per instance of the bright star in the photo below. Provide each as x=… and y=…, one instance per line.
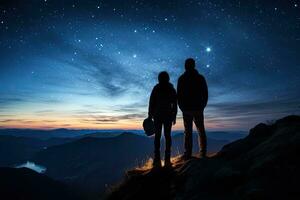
x=207, y=66
x=134, y=55
x=208, y=49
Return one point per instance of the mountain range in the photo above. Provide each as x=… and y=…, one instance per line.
x=89, y=161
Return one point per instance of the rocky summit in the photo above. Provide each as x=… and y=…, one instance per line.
x=263, y=165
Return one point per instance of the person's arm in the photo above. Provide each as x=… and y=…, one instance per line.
x=179, y=92
x=151, y=107
x=174, y=105
x=205, y=92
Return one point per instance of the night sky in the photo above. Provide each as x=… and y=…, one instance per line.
x=92, y=64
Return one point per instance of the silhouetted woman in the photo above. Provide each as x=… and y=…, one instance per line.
x=163, y=109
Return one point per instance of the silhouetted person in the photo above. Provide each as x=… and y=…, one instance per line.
x=192, y=97
x=163, y=110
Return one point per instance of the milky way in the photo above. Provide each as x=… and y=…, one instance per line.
x=92, y=64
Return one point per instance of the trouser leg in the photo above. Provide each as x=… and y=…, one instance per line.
x=188, y=134
x=199, y=122
x=168, y=140
x=158, y=129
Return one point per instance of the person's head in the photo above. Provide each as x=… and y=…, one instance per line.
x=189, y=64
x=163, y=77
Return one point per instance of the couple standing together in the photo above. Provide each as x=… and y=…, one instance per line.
x=192, y=95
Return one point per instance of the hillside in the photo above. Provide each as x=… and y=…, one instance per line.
x=22, y=149
x=263, y=165
x=23, y=183
x=94, y=163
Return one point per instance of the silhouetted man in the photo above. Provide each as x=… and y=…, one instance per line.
x=192, y=96
x=163, y=109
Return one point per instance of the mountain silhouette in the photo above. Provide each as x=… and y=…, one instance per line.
x=23, y=183
x=45, y=134
x=263, y=165
x=91, y=162
x=95, y=163
x=16, y=150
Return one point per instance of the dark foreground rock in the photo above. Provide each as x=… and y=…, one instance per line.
x=264, y=165
x=24, y=183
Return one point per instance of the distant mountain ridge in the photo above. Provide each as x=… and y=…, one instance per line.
x=70, y=133
x=92, y=160
x=99, y=162
x=15, y=150
x=44, y=134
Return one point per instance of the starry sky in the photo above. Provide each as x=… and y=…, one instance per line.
x=91, y=64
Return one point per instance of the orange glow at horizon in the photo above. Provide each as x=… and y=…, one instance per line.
x=75, y=123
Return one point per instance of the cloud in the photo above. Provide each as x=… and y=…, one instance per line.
x=44, y=111
x=247, y=114
x=7, y=100
x=24, y=121
x=93, y=68
x=109, y=119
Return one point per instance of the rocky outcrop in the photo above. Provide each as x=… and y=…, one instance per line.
x=263, y=165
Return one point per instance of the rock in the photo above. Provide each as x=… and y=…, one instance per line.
x=263, y=165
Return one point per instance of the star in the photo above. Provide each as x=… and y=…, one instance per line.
x=134, y=55
x=208, y=49
x=207, y=65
